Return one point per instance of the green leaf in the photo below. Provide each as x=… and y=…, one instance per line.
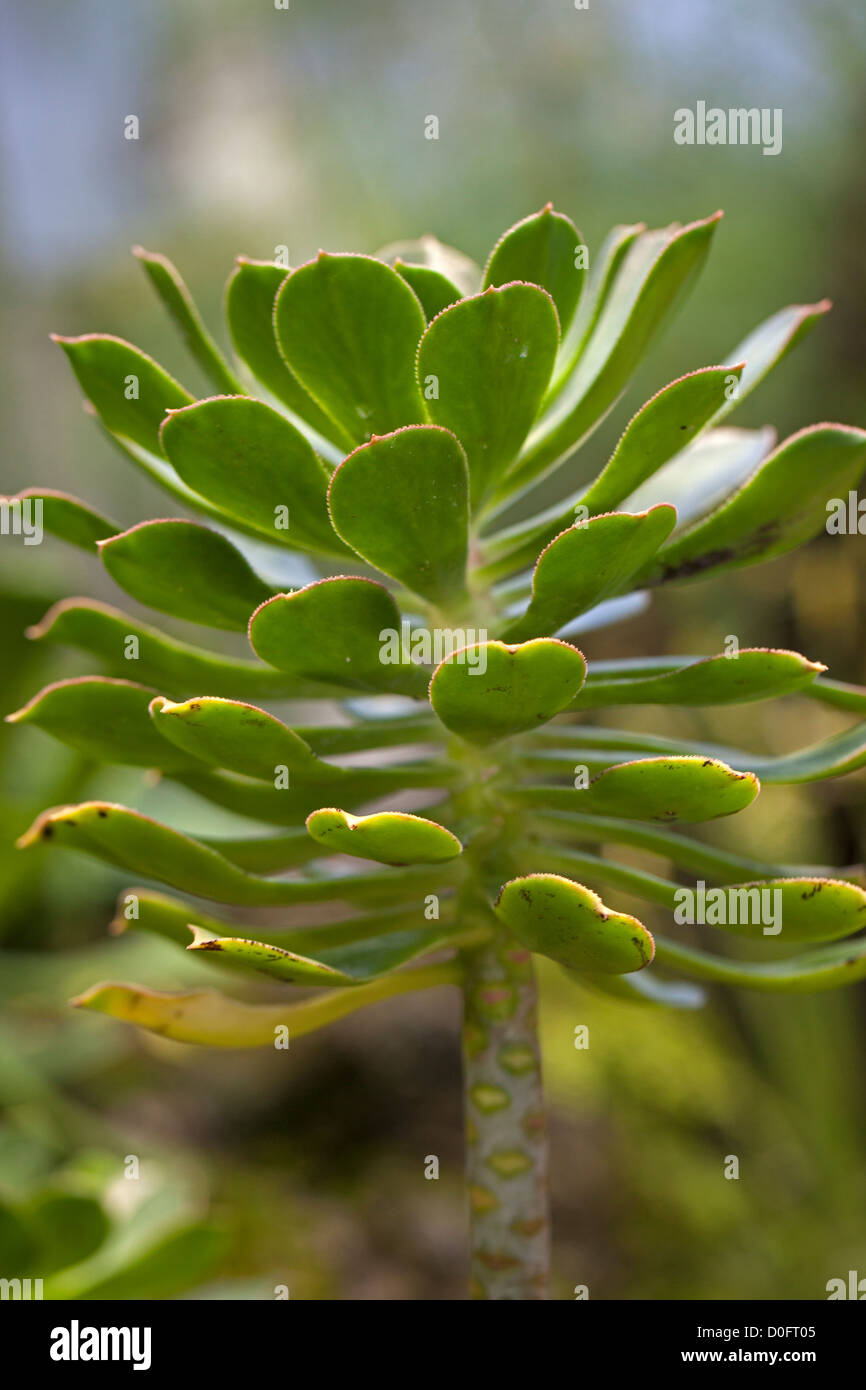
x=187, y=570
x=129, y=645
x=69, y=1228
x=388, y=837
x=431, y=253
x=402, y=502
x=586, y=564
x=487, y=361
x=434, y=290
x=656, y=268
x=541, y=250
x=252, y=463
x=768, y=344
x=177, y=299
x=754, y=673
x=556, y=917
x=213, y=1020
x=66, y=517
x=664, y=789
x=333, y=630
x=130, y=391
x=139, y=845
x=238, y=736
x=827, y=968
x=795, y=909
x=104, y=719
x=703, y=475
x=490, y=691
x=784, y=504
x=250, y=297
x=348, y=326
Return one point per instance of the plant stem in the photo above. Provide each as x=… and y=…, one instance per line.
x=506, y=1144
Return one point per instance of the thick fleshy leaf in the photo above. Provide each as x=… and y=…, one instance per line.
x=793, y=909
x=784, y=504
x=63, y=516
x=434, y=290
x=130, y=391
x=388, y=837
x=129, y=646
x=569, y=923
x=237, y=736
x=491, y=691
x=348, y=326
x=656, y=268
x=768, y=344
x=250, y=297
x=177, y=299
x=827, y=968
x=252, y=463
x=754, y=673
x=402, y=502
x=431, y=253
x=143, y=846
x=187, y=570
x=703, y=475
x=587, y=564
x=665, y=789
x=484, y=365
x=541, y=250
x=214, y=1020
x=660, y=429
x=336, y=630
x=105, y=719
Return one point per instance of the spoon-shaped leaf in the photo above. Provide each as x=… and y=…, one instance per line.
x=434, y=290
x=586, y=564
x=172, y=290
x=388, y=837
x=63, y=516
x=754, y=673
x=428, y=252
x=402, y=502
x=336, y=630
x=559, y=918
x=541, y=250
x=187, y=570
x=252, y=463
x=484, y=365
x=784, y=504
x=106, y=719
x=793, y=909
x=130, y=391
x=348, y=326
x=664, y=789
x=768, y=344
x=491, y=691
x=212, y=1019
x=238, y=736
x=251, y=293
x=711, y=469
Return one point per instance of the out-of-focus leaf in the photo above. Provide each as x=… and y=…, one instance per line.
x=187, y=570
x=68, y=1227
x=177, y=299
x=484, y=365
x=389, y=837
x=252, y=463
x=348, y=326
x=105, y=719
x=768, y=344
x=213, y=1020
x=665, y=789
x=130, y=391
x=64, y=516
x=505, y=689
x=586, y=564
x=402, y=502
x=755, y=673
x=783, y=505
x=559, y=918
x=431, y=253
x=603, y=272
x=827, y=968
x=435, y=291
x=703, y=475
x=237, y=736
x=541, y=250
x=336, y=630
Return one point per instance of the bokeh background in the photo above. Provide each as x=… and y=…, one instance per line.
x=305, y=127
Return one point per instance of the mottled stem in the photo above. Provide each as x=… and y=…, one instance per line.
x=506, y=1144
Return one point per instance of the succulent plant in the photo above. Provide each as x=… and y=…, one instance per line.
x=388, y=420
